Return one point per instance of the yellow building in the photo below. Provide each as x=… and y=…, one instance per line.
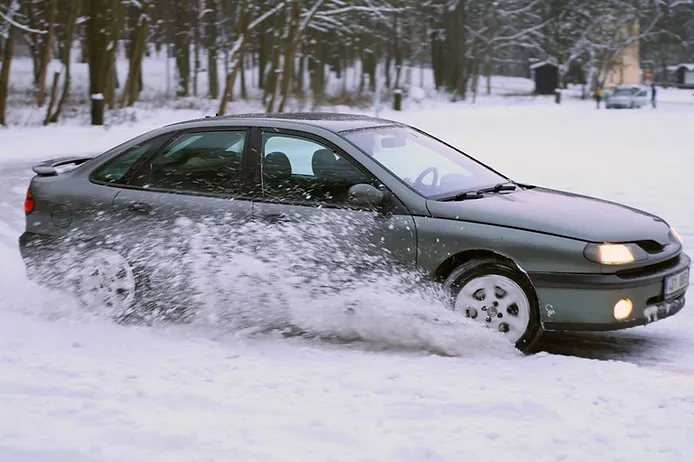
x=626, y=68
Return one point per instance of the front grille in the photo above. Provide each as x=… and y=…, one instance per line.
x=649, y=269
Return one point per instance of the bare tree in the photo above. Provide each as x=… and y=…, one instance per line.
x=70, y=24
x=10, y=24
x=139, y=19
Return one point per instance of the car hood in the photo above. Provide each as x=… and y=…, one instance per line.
x=559, y=213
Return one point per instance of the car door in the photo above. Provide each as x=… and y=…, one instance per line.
x=186, y=202
x=305, y=181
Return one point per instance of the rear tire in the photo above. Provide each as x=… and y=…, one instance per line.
x=499, y=296
x=107, y=283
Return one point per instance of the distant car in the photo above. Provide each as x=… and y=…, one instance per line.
x=515, y=257
x=627, y=97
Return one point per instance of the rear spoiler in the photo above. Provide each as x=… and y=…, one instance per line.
x=48, y=168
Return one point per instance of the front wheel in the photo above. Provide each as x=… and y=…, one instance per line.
x=497, y=295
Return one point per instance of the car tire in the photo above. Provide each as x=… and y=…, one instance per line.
x=514, y=308
x=105, y=282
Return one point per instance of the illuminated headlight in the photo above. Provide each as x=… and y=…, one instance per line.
x=614, y=254
x=677, y=235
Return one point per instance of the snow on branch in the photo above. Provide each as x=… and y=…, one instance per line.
x=257, y=21
x=9, y=20
x=309, y=15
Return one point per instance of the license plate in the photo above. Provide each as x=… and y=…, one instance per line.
x=676, y=282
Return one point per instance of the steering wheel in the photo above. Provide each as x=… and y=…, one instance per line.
x=418, y=181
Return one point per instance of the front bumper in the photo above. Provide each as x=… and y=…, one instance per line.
x=575, y=302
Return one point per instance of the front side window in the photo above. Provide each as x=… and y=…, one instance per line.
x=427, y=165
x=202, y=162
x=297, y=169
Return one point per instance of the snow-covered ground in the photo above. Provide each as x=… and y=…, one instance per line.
x=74, y=389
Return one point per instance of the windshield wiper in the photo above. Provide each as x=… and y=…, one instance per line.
x=479, y=194
x=462, y=196
x=498, y=188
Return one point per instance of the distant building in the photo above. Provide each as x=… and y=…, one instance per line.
x=546, y=77
x=626, y=68
x=683, y=75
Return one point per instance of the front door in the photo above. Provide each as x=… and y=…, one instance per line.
x=311, y=228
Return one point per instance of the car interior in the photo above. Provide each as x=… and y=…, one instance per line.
x=332, y=177
x=207, y=162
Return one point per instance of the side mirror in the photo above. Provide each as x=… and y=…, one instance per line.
x=365, y=195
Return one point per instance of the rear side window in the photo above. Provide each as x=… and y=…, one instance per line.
x=114, y=171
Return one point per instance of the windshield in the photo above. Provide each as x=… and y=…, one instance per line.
x=623, y=92
x=428, y=166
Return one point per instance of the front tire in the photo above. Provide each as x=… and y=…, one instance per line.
x=497, y=295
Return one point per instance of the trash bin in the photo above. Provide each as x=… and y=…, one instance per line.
x=557, y=96
x=397, y=99
x=98, y=105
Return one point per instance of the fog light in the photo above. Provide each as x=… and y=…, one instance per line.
x=622, y=309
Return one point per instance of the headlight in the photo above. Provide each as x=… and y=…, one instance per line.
x=677, y=235
x=614, y=254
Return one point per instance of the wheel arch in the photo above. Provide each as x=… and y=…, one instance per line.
x=451, y=263
x=454, y=261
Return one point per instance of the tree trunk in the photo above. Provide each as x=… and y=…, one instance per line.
x=235, y=55
x=54, y=96
x=115, y=21
x=262, y=60
x=111, y=81
x=182, y=45
x=97, y=12
x=299, y=81
x=138, y=36
x=66, y=58
x=212, y=74
x=272, y=78
x=289, y=53
x=242, y=71
x=46, y=53
x=317, y=73
x=488, y=67
x=196, y=47
x=5, y=73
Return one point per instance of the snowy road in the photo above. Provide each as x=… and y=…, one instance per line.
x=78, y=390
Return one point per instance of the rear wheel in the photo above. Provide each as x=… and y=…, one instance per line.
x=108, y=284
x=497, y=295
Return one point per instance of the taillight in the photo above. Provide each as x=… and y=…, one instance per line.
x=29, y=203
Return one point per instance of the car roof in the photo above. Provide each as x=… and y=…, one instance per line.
x=332, y=121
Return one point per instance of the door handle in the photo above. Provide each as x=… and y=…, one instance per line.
x=140, y=208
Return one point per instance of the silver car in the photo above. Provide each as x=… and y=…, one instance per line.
x=518, y=258
x=629, y=97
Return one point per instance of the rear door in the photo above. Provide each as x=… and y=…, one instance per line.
x=180, y=205
x=304, y=183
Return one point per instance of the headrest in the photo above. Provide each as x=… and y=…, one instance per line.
x=323, y=162
x=277, y=166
